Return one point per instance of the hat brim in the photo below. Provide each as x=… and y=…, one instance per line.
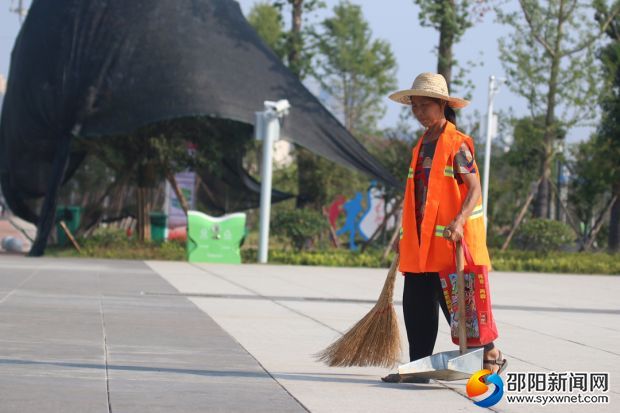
x=404, y=97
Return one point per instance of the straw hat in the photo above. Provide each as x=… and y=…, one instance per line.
x=431, y=85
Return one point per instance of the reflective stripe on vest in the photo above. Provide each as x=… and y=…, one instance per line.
x=449, y=171
x=477, y=212
x=410, y=173
x=439, y=230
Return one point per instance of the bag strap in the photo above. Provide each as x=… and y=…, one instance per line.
x=469, y=260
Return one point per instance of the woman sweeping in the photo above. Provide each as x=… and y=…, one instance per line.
x=442, y=193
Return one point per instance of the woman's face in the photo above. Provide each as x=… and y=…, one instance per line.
x=427, y=111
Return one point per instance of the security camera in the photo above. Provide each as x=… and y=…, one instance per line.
x=281, y=106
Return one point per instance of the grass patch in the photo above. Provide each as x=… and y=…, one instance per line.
x=171, y=251
x=329, y=258
x=114, y=243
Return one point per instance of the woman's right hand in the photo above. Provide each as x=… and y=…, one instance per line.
x=396, y=246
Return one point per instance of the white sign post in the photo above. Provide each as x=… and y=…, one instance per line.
x=267, y=129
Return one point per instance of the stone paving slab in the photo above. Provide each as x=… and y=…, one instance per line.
x=78, y=336
x=127, y=336
x=547, y=323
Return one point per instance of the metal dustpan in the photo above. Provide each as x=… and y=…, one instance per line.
x=449, y=365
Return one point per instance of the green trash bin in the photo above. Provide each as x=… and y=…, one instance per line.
x=159, y=225
x=71, y=215
x=215, y=239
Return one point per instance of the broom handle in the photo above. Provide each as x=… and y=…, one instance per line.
x=460, y=287
x=460, y=293
x=388, y=286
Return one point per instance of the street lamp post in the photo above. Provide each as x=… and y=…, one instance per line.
x=267, y=129
x=493, y=89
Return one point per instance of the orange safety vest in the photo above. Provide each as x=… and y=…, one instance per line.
x=444, y=199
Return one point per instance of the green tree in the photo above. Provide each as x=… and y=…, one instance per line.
x=526, y=149
x=451, y=18
x=514, y=169
x=607, y=139
x=354, y=69
x=589, y=188
x=296, y=51
x=267, y=21
x=550, y=61
x=299, y=48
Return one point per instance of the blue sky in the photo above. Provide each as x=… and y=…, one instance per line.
x=395, y=21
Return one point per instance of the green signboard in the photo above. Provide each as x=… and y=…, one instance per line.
x=215, y=239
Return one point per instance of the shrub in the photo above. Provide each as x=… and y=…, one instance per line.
x=544, y=235
x=301, y=226
x=330, y=258
x=556, y=262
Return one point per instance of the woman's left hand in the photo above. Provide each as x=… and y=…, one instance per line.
x=456, y=230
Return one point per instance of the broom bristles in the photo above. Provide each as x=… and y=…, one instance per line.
x=372, y=341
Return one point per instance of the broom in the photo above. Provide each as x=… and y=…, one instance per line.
x=374, y=340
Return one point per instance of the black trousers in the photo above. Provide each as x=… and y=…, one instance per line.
x=422, y=298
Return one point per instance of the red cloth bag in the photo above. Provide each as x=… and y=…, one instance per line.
x=480, y=324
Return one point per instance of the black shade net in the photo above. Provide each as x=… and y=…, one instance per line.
x=96, y=68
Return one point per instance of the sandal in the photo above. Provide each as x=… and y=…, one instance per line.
x=397, y=378
x=500, y=361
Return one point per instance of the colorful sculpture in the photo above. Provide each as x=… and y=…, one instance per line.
x=352, y=209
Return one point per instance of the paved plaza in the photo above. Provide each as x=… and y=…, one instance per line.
x=81, y=335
